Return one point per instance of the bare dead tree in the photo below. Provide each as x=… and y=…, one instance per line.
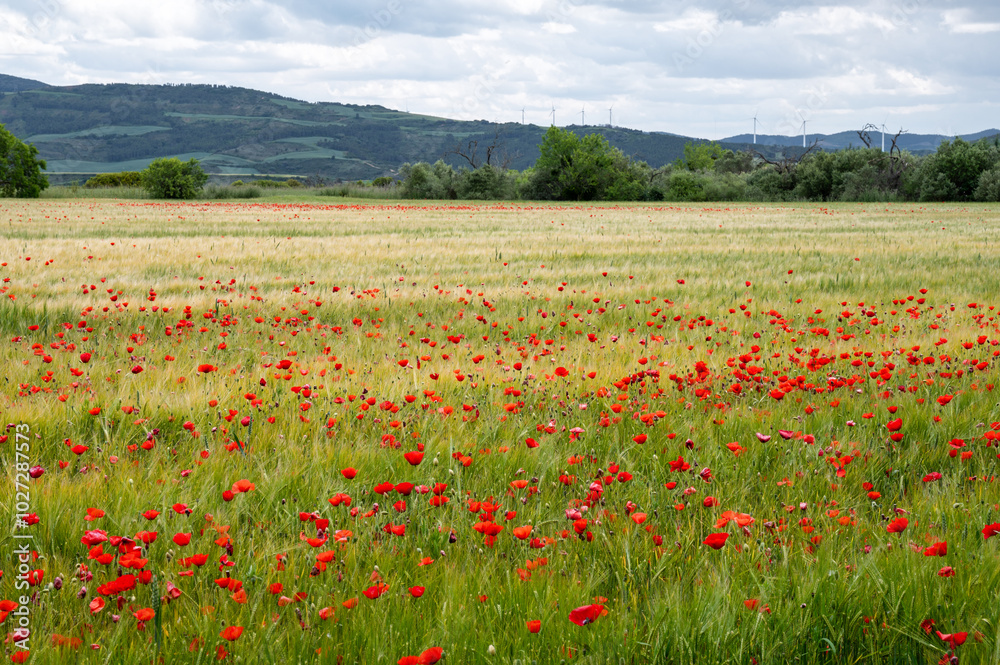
x=865, y=134
x=897, y=165
x=786, y=164
x=496, y=152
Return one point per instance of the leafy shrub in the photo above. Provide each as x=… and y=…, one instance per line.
x=989, y=186
x=170, y=178
x=423, y=181
x=121, y=179
x=684, y=185
x=233, y=192
x=20, y=169
x=485, y=183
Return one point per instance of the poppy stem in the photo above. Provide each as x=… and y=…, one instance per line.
x=157, y=620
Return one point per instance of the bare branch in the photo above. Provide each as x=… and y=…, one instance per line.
x=786, y=164
x=865, y=134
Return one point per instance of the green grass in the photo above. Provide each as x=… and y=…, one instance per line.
x=486, y=304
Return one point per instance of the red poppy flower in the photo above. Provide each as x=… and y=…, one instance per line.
x=581, y=616
x=182, y=539
x=534, y=625
x=416, y=591
x=522, y=532
x=243, y=486
x=430, y=656
x=937, y=549
x=206, y=368
x=414, y=457
x=991, y=530
x=231, y=633
x=953, y=639
x=716, y=540
x=349, y=473
x=374, y=592
x=898, y=525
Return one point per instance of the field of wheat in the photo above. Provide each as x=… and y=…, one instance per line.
x=307, y=433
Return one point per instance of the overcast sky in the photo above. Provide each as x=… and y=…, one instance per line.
x=695, y=67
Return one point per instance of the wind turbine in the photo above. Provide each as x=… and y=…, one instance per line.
x=583, y=116
x=522, y=115
x=803, y=132
x=883, y=131
x=755, y=127
x=611, y=122
x=553, y=115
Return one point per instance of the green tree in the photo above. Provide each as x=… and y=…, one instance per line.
x=989, y=186
x=485, y=183
x=734, y=162
x=20, y=169
x=952, y=173
x=170, y=178
x=423, y=181
x=571, y=168
x=699, y=156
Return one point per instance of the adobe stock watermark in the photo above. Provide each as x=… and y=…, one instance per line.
x=712, y=31
x=223, y=7
x=23, y=555
x=563, y=10
x=901, y=14
x=796, y=122
x=484, y=87
x=378, y=22
x=38, y=20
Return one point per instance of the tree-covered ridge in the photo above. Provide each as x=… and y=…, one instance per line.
x=123, y=127
x=16, y=83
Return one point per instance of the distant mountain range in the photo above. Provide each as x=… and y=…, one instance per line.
x=918, y=144
x=86, y=129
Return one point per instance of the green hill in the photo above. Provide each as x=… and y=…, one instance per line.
x=17, y=84
x=86, y=129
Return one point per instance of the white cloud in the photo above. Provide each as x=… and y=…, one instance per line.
x=558, y=28
x=960, y=21
x=841, y=62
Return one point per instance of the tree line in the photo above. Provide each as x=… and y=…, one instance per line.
x=588, y=168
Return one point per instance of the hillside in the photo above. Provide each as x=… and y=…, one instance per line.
x=17, y=84
x=88, y=129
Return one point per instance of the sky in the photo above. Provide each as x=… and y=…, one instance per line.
x=702, y=68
